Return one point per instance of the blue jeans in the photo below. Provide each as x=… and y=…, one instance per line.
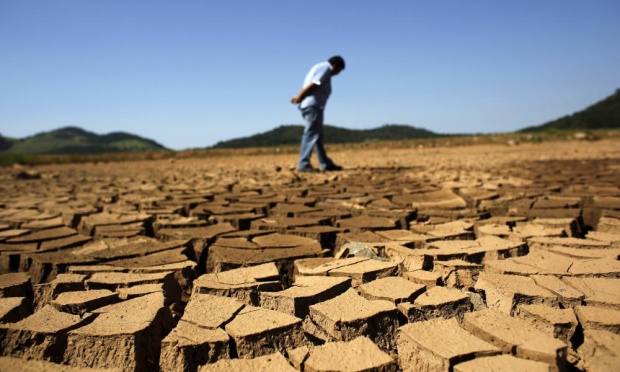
x=312, y=138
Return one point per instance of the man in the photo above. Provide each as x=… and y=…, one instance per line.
x=312, y=100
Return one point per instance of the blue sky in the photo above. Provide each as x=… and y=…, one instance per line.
x=191, y=73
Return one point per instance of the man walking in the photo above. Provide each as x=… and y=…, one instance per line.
x=312, y=100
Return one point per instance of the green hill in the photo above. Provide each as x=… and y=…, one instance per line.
x=290, y=135
x=73, y=140
x=601, y=115
x=5, y=143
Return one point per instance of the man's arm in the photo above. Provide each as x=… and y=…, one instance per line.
x=303, y=93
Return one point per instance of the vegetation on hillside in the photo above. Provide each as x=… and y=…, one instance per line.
x=604, y=114
x=5, y=143
x=288, y=135
x=73, y=140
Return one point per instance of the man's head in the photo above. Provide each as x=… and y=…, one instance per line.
x=337, y=63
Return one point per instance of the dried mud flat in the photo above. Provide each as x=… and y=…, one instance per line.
x=470, y=258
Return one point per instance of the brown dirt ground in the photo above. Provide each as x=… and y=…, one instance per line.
x=521, y=237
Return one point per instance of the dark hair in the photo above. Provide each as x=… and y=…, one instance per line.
x=337, y=62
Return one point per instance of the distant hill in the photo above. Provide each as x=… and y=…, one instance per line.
x=288, y=135
x=73, y=140
x=5, y=143
x=601, y=115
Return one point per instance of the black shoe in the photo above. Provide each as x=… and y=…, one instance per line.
x=332, y=168
x=308, y=170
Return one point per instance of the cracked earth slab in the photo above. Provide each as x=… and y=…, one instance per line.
x=438, y=345
x=306, y=291
x=243, y=283
x=516, y=336
x=360, y=354
x=349, y=316
x=125, y=335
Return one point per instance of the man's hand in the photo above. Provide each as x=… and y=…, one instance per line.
x=303, y=92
